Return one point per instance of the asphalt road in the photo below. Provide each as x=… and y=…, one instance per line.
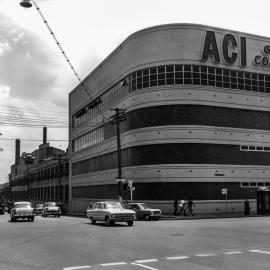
x=72, y=243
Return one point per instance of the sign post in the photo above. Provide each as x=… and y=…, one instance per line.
x=225, y=192
x=131, y=188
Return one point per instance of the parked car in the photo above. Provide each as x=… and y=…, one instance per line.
x=2, y=209
x=23, y=210
x=143, y=211
x=51, y=208
x=111, y=212
x=89, y=207
x=38, y=209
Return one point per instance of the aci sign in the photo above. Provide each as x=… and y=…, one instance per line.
x=231, y=49
x=264, y=59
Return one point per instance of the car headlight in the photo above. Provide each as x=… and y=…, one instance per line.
x=113, y=215
x=134, y=215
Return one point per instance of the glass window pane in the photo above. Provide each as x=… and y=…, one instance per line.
x=233, y=79
x=247, y=81
x=204, y=75
x=187, y=74
x=254, y=82
x=196, y=75
x=211, y=76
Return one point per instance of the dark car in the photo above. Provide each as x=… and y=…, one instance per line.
x=2, y=209
x=143, y=211
x=38, y=209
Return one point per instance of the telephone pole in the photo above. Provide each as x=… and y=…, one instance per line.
x=119, y=116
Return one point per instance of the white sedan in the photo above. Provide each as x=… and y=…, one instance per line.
x=23, y=210
x=111, y=212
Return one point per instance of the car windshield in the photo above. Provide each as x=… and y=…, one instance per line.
x=109, y=205
x=50, y=204
x=144, y=206
x=22, y=205
x=39, y=205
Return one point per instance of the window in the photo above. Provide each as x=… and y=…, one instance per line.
x=175, y=75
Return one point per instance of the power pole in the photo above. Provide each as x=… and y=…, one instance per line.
x=119, y=116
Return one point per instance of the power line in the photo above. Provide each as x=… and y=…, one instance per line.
x=34, y=140
x=32, y=110
x=64, y=54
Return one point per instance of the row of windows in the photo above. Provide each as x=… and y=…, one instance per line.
x=200, y=75
x=254, y=148
x=255, y=184
x=109, y=98
x=49, y=173
x=175, y=75
x=91, y=138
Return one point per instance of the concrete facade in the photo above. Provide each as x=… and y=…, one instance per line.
x=225, y=75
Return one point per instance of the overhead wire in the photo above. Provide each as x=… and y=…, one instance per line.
x=65, y=55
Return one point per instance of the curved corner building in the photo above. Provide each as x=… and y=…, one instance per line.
x=197, y=116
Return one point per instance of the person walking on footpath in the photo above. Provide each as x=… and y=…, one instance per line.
x=175, y=205
x=182, y=206
x=190, y=204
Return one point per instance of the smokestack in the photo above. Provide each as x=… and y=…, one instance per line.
x=17, y=150
x=44, y=135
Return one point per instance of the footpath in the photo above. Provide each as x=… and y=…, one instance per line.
x=170, y=216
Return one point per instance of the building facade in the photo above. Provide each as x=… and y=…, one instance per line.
x=40, y=176
x=196, y=101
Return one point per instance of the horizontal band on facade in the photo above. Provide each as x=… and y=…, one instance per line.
x=173, y=154
x=167, y=191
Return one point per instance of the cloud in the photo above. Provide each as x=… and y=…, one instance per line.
x=26, y=65
x=4, y=92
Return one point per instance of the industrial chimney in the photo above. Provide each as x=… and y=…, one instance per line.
x=17, y=150
x=44, y=135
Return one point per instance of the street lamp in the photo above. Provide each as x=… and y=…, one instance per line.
x=26, y=4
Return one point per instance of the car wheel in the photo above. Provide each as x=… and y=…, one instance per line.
x=146, y=217
x=45, y=215
x=92, y=220
x=12, y=219
x=130, y=223
x=32, y=219
x=108, y=222
x=59, y=216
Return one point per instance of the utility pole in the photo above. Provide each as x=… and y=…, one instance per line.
x=119, y=116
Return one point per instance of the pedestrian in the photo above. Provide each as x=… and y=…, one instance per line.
x=247, y=208
x=182, y=206
x=175, y=205
x=190, y=205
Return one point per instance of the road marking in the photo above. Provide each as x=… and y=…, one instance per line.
x=177, y=258
x=77, y=267
x=233, y=252
x=146, y=261
x=205, y=255
x=259, y=251
x=111, y=264
x=145, y=266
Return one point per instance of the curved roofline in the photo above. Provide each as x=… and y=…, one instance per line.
x=159, y=28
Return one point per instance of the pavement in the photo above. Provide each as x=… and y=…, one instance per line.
x=170, y=216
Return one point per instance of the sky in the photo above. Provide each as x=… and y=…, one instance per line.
x=35, y=78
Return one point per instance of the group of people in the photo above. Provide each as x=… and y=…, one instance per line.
x=185, y=206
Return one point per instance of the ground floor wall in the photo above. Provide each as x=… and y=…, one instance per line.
x=205, y=207
x=209, y=195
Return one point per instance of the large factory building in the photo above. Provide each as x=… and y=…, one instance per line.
x=196, y=101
